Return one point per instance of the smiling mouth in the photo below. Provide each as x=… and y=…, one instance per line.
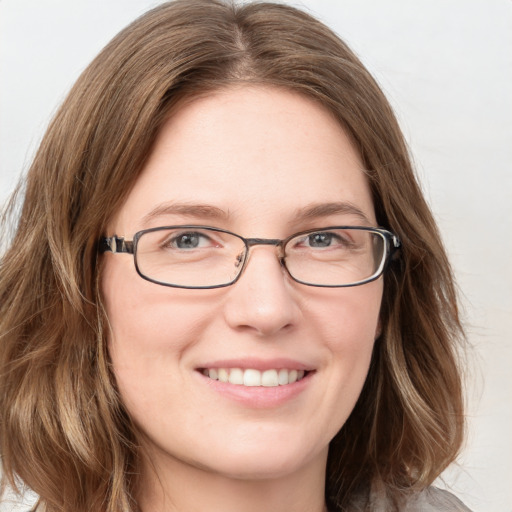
x=255, y=378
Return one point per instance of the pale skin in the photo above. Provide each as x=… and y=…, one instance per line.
x=258, y=158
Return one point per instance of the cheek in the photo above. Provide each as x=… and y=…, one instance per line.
x=143, y=314
x=345, y=325
x=350, y=327
x=350, y=320
x=150, y=329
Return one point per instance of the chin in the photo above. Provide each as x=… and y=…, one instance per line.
x=266, y=463
x=252, y=470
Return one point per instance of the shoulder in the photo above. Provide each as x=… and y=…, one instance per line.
x=431, y=499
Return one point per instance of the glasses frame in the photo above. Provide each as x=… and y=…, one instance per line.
x=118, y=244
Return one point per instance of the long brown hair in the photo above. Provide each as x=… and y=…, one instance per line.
x=63, y=430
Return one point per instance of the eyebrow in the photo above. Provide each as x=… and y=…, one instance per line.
x=317, y=210
x=186, y=209
x=308, y=212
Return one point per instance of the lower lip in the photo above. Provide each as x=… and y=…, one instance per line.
x=259, y=397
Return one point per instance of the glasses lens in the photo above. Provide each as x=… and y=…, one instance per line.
x=336, y=257
x=190, y=256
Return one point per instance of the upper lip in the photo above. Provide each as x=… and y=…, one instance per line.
x=258, y=364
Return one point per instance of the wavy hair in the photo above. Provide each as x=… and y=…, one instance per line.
x=63, y=429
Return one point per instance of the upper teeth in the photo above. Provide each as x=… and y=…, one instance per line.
x=250, y=377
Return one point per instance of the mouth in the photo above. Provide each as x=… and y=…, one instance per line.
x=251, y=377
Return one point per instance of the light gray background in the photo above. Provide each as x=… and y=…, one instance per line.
x=446, y=66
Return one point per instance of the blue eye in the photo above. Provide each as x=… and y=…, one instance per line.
x=320, y=239
x=336, y=240
x=188, y=240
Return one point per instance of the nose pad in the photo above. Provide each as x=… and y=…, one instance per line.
x=239, y=259
x=262, y=300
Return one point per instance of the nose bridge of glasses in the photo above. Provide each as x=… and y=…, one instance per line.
x=276, y=242
x=263, y=241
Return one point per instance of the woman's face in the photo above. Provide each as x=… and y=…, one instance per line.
x=261, y=162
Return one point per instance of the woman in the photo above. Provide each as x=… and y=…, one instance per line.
x=225, y=290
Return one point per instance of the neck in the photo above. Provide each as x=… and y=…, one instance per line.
x=174, y=486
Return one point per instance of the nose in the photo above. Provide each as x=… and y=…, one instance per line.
x=263, y=300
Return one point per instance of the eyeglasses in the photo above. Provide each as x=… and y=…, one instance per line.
x=207, y=257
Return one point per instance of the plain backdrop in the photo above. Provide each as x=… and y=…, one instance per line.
x=446, y=66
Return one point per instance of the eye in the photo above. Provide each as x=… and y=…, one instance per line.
x=320, y=239
x=189, y=240
x=324, y=239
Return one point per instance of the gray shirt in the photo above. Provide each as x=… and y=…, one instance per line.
x=431, y=499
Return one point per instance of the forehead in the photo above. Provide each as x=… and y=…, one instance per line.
x=258, y=154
